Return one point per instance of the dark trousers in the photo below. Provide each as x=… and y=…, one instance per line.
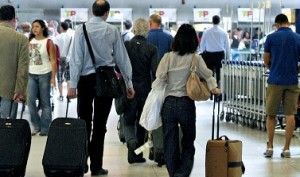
x=96, y=126
x=213, y=62
x=182, y=111
x=133, y=131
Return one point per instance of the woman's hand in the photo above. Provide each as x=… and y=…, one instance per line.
x=52, y=82
x=216, y=91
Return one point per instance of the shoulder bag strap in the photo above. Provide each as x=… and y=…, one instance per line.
x=193, y=67
x=69, y=45
x=48, y=47
x=89, y=45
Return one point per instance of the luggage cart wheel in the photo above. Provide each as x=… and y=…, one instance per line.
x=244, y=122
x=258, y=124
x=227, y=118
x=263, y=126
x=222, y=116
x=233, y=118
x=253, y=123
x=237, y=119
x=248, y=123
x=241, y=118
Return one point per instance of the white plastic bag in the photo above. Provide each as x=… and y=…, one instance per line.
x=147, y=145
x=150, y=118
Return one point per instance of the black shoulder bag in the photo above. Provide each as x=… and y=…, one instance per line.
x=107, y=82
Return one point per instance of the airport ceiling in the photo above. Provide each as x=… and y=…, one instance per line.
x=56, y=4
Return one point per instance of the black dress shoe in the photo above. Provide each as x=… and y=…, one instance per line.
x=100, y=172
x=133, y=158
x=136, y=160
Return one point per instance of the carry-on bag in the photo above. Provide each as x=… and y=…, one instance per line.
x=156, y=152
x=66, y=148
x=120, y=128
x=15, y=145
x=223, y=156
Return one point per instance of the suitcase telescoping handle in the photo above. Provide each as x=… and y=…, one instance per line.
x=216, y=99
x=23, y=109
x=11, y=107
x=67, y=110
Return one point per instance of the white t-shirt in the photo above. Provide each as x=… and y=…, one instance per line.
x=39, y=59
x=63, y=40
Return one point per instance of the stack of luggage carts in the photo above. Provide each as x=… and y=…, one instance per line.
x=244, y=92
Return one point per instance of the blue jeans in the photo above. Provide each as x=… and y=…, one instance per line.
x=6, y=110
x=39, y=88
x=182, y=111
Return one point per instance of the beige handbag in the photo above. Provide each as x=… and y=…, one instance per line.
x=197, y=88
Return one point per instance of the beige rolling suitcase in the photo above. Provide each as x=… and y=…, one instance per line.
x=223, y=156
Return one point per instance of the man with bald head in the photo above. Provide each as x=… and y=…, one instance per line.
x=109, y=51
x=156, y=36
x=163, y=42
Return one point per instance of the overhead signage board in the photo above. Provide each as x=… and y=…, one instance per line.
x=205, y=14
x=74, y=14
x=251, y=15
x=290, y=13
x=119, y=14
x=167, y=14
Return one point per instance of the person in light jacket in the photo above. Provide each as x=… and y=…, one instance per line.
x=178, y=108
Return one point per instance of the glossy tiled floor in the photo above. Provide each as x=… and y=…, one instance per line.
x=115, y=155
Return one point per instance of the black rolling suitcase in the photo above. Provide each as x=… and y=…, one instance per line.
x=15, y=145
x=66, y=148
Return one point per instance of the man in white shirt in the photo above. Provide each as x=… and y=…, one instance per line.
x=215, y=46
x=109, y=51
x=127, y=35
x=70, y=29
x=63, y=40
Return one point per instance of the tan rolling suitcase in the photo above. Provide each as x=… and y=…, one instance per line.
x=223, y=156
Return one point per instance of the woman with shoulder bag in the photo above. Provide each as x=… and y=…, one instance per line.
x=178, y=108
x=42, y=70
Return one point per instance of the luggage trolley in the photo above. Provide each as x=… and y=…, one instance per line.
x=226, y=89
x=244, y=93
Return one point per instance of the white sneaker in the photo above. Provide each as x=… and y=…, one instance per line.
x=268, y=153
x=60, y=98
x=286, y=154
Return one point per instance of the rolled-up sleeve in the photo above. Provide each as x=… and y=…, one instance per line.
x=122, y=60
x=161, y=73
x=76, y=59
